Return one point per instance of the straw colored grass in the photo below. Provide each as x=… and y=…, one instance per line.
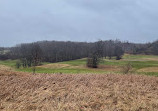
x=81, y=92
x=54, y=66
x=149, y=69
x=5, y=68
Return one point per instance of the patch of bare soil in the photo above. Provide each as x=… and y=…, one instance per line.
x=149, y=69
x=61, y=92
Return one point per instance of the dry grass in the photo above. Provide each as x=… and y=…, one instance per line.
x=61, y=92
x=5, y=68
x=149, y=69
x=151, y=59
x=54, y=66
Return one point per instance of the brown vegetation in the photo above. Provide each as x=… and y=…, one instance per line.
x=61, y=92
x=5, y=68
x=54, y=66
x=149, y=69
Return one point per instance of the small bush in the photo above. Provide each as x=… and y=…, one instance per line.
x=18, y=64
x=126, y=68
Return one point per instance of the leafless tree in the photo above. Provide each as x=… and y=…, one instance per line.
x=36, y=53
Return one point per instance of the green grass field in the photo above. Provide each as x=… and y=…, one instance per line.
x=141, y=64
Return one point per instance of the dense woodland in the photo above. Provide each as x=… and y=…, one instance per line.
x=57, y=51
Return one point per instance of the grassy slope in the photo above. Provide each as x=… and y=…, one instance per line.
x=10, y=63
x=78, y=66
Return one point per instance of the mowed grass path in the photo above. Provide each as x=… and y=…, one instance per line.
x=142, y=64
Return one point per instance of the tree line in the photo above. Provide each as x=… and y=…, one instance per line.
x=32, y=54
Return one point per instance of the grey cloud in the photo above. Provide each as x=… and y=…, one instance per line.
x=77, y=20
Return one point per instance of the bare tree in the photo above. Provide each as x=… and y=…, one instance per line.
x=36, y=53
x=118, y=52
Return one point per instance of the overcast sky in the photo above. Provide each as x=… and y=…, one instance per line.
x=77, y=20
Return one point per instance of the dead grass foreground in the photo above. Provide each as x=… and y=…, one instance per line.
x=61, y=92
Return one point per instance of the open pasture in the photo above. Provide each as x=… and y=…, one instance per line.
x=141, y=64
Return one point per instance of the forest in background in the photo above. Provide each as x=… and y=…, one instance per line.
x=58, y=51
